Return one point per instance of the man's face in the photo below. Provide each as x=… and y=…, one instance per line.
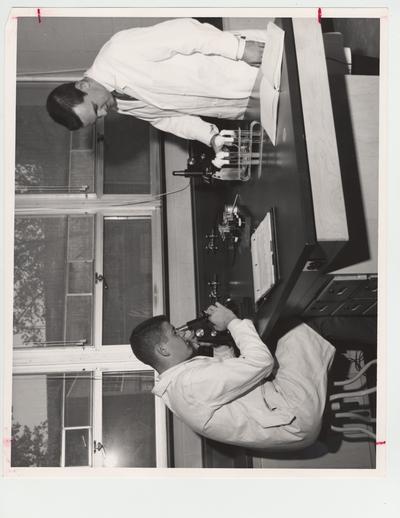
x=182, y=345
x=97, y=101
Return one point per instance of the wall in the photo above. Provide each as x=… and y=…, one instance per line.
x=359, y=100
x=67, y=43
x=187, y=444
x=232, y=24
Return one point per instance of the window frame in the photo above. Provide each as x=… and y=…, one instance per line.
x=155, y=159
x=103, y=358
x=60, y=195
x=97, y=404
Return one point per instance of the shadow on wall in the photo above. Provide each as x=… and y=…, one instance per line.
x=362, y=35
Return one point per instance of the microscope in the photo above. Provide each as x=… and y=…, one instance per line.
x=205, y=332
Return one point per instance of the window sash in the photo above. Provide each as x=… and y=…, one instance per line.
x=157, y=269
x=78, y=158
x=66, y=428
x=103, y=358
x=98, y=358
x=155, y=163
x=154, y=214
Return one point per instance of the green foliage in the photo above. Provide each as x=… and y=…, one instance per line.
x=29, y=447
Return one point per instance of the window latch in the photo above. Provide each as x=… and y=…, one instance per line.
x=100, y=278
x=97, y=446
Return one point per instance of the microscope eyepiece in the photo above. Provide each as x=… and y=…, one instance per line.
x=205, y=331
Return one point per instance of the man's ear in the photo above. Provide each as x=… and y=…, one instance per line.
x=162, y=349
x=83, y=84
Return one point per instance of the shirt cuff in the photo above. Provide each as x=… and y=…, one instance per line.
x=241, y=46
x=233, y=324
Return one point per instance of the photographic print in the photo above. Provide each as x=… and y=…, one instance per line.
x=195, y=241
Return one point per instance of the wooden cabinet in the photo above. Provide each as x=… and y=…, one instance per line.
x=346, y=296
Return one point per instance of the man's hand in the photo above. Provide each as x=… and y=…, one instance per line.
x=253, y=52
x=217, y=143
x=220, y=316
x=190, y=338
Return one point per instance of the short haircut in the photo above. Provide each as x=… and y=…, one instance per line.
x=60, y=102
x=146, y=336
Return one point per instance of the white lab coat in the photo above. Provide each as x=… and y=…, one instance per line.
x=177, y=70
x=231, y=400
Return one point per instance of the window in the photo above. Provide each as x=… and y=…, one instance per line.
x=55, y=272
x=53, y=280
x=128, y=297
x=52, y=420
x=128, y=155
x=57, y=423
x=88, y=267
x=120, y=155
x=50, y=159
x=128, y=417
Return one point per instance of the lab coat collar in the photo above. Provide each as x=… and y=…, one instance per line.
x=163, y=380
x=108, y=80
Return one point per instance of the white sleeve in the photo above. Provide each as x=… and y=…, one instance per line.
x=184, y=36
x=220, y=382
x=189, y=127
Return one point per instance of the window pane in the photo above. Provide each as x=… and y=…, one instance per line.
x=49, y=158
x=80, y=276
x=77, y=447
x=38, y=403
x=78, y=326
x=78, y=398
x=128, y=271
x=129, y=419
x=50, y=255
x=126, y=155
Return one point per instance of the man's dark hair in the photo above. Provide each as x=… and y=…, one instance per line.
x=60, y=102
x=146, y=336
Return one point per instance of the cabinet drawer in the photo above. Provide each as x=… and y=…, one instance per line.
x=368, y=290
x=353, y=307
x=319, y=308
x=372, y=310
x=339, y=290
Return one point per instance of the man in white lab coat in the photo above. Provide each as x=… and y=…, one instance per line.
x=168, y=74
x=252, y=400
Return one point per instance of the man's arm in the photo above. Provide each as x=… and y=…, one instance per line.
x=220, y=382
x=186, y=126
x=186, y=36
